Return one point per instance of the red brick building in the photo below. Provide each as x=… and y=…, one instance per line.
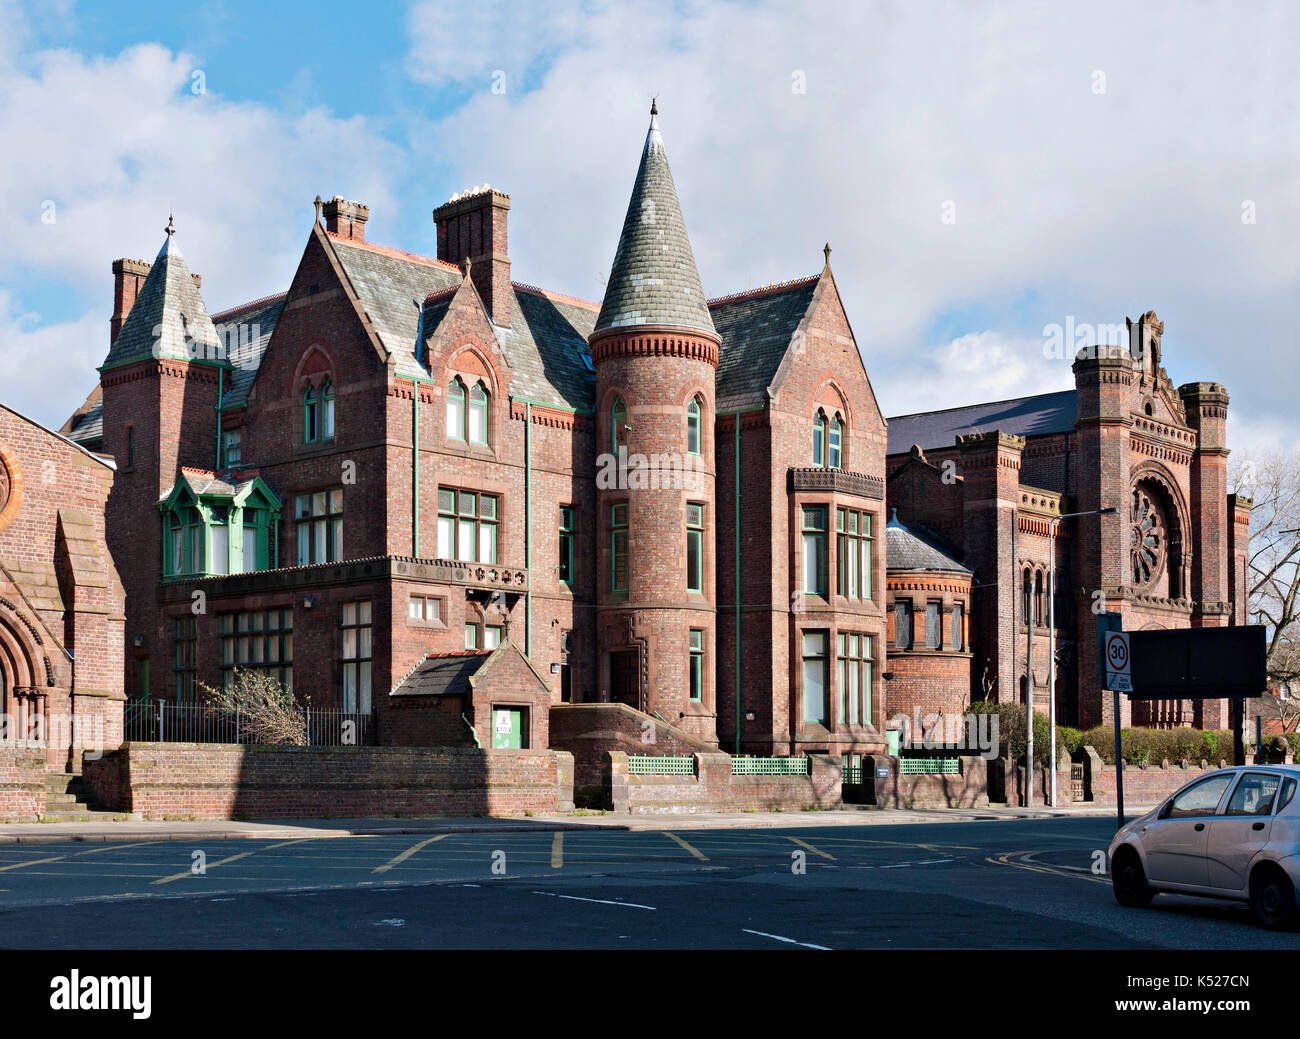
x=363, y=482
x=61, y=603
x=991, y=481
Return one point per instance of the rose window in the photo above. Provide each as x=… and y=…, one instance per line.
x=4, y=485
x=1148, y=539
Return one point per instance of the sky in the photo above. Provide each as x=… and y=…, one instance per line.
x=990, y=176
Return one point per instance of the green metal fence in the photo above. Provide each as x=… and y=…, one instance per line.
x=852, y=775
x=653, y=765
x=930, y=766
x=746, y=766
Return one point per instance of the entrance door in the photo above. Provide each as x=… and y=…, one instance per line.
x=508, y=728
x=624, y=681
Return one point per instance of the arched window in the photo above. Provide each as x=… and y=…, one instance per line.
x=476, y=431
x=693, y=412
x=836, y=441
x=618, y=425
x=1038, y=598
x=1027, y=597
x=310, y=416
x=819, y=440
x=456, y=410
x=327, y=410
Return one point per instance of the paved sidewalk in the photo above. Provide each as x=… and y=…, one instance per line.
x=849, y=815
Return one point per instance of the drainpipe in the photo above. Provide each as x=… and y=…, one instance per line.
x=220, y=383
x=528, y=527
x=736, y=415
x=415, y=470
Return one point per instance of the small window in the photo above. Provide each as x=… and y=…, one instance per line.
x=456, y=410
x=310, y=416
x=819, y=440
x=471, y=636
x=477, y=415
x=565, y=567
x=693, y=415
x=933, y=623
x=617, y=425
x=834, y=454
x=814, y=676
x=697, y=665
x=694, y=547
x=814, y=550
x=130, y=445
x=233, y=446
x=424, y=608
x=618, y=547
x=585, y=358
x=327, y=410
x=902, y=623
x=492, y=636
x=958, y=618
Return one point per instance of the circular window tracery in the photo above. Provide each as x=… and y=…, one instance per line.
x=5, y=484
x=1148, y=538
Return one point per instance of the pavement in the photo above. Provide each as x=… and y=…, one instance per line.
x=849, y=815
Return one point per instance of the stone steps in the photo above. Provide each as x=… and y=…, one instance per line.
x=68, y=799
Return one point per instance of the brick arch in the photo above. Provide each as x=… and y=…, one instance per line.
x=828, y=395
x=466, y=358
x=315, y=364
x=21, y=655
x=11, y=485
x=1176, y=566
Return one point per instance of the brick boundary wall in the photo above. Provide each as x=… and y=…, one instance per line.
x=714, y=789
x=969, y=789
x=22, y=780
x=1145, y=786
x=220, y=781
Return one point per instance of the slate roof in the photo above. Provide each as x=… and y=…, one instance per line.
x=245, y=330
x=915, y=548
x=442, y=674
x=545, y=345
x=653, y=280
x=168, y=318
x=1022, y=416
x=86, y=425
x=756, y=330
x=205, y=481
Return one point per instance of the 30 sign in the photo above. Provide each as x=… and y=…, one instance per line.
x=1119, y=662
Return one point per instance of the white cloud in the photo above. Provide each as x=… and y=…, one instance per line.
x=117, y=142
x=1067, y=201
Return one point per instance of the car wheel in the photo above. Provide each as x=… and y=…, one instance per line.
x=1129, y=881
x=1272, y=897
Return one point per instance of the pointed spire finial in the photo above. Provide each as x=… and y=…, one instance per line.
x=827, y=251
x=318, y=204
x=468, y=263
x=654, y=106
x=171, y=225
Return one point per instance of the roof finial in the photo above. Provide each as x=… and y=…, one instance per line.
x=171, y=225
x=468, y=263
x=318, y=204
x=654, y=106
x=826, y=249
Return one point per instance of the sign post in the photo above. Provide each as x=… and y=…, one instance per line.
x=1116, y=667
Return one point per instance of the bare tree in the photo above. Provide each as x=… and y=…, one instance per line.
x=1272, y=480
x=268, y=711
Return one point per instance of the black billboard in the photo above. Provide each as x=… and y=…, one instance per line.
x=1199, y=663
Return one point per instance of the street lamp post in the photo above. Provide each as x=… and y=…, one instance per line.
x=1051, y=644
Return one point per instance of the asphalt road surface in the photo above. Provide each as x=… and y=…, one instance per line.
x=987, y=885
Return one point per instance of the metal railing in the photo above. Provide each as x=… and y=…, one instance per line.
x=791, y=766
x=929, y=766
x=162, y=722
x=652, y=765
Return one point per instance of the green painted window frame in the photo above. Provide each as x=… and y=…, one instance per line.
x=476, y=403
x=854, y=554
x=460, y=509
x=566, y=544
x=695, y=546
x=232, y=446
x=695, y=427
x=617, y=425
x=471, y=635
x=618, y=547
x=456, y=410
x=813, y=535
x=696, y=691
x=327, y=410
x=258, y=640
x=493, y=635
x=835, y=444
x=186, y=536
x=855, y=659
x=814, y=658
x=819, y=440
x=310, y=415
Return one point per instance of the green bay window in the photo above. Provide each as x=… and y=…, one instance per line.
x=814, y=550
x=618, y=547
x=694, y=547
x=814, y=677
x=227, y=531
x=853, y=552
x=467, y=526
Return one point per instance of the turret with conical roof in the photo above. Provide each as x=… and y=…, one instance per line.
x=655, y=352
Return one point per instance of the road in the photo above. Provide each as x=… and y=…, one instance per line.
x=976, y=884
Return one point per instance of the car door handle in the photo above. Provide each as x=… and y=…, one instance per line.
x=1257, y=826
x=1199, y=827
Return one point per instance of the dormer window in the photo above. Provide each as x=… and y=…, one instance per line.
x=467, y=412
x=828, y=441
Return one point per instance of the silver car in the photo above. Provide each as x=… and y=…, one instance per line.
x=1234, y=834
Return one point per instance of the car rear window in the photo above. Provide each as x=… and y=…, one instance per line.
x=1288, y=792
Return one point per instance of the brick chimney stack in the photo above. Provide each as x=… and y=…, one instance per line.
x=472, y=226
x=346, y=219
x=128, y=276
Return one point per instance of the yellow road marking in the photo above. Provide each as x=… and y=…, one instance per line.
x=809, y=847
x=557, y=850
x=75, y=854
x=1004, y=860
x=689, y=847
x=403, y=856
x=229, y=859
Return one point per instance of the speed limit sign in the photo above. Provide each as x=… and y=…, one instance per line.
x=1119, y=673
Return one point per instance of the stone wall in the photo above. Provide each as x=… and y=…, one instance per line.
x=22, y=780
x=714, y=789
x=220, y=781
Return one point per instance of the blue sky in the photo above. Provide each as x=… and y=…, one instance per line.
x=1069, y=203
